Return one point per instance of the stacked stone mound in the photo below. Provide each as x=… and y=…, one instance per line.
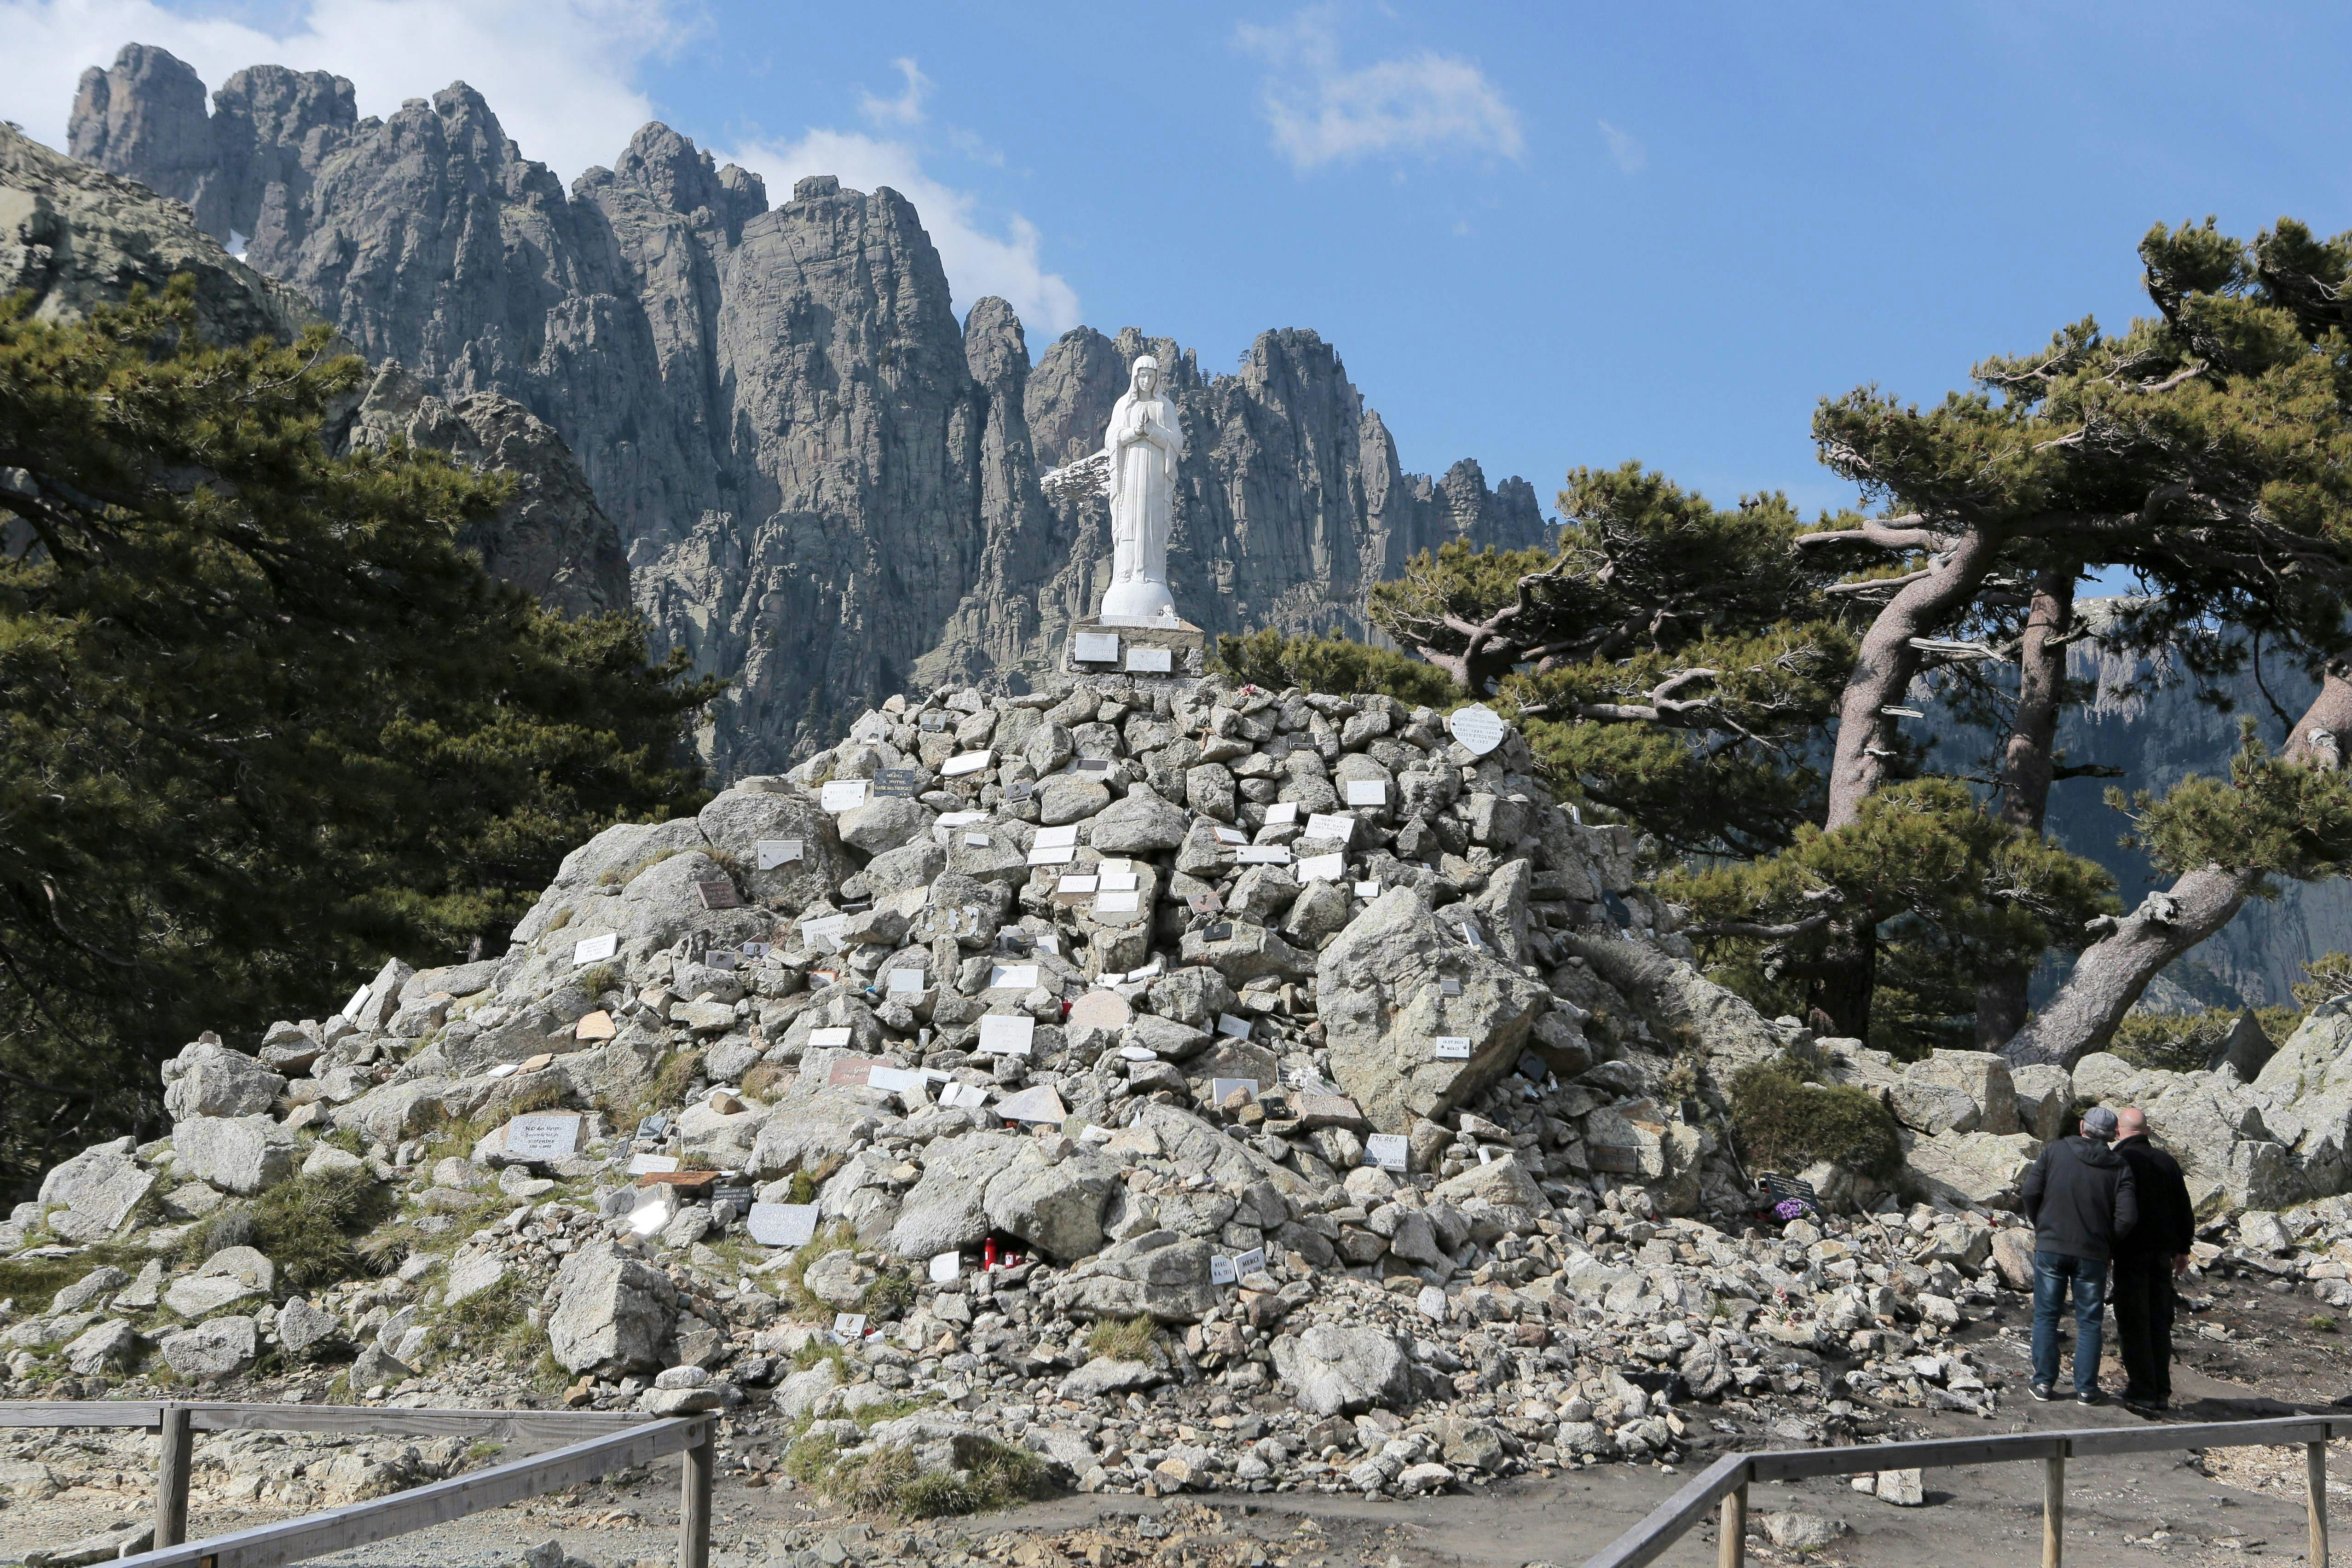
x=1209, y=1277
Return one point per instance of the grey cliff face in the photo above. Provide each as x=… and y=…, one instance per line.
x=827, y=487
x=77, y=238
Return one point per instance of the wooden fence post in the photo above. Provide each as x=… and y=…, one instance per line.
x=1731, y=1546
x=173, y=1457
x=2054, y=1510
x=2314, y=1472
x=696, y=1472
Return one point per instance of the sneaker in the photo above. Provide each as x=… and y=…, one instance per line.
x=2042, y=1391
x=2089, y=1396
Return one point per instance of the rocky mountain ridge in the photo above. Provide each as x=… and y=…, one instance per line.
x=827, y=487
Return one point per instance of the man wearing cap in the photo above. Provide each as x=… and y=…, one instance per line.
x=2147, y=1261
x=2081, y=1199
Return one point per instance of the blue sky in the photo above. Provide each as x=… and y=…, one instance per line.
x=1539, y=235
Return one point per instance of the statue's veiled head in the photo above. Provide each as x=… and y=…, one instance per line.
x=1143, y=380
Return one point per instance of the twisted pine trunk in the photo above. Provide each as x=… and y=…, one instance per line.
x=2026, y=764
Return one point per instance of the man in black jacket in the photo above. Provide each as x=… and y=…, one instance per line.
x=2145, y=1262
x=2080, y=1198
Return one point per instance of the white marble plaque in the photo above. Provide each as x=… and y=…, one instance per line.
x=843, y=795
x=849, y=1325
x=826, y=932
x=946, y=1266
x=359, y=997
x=1037, y=1103
x=1013, y=977
x=1331, y=867
x=1078, y=883
x=1281, y=812
x=1367, y=890
x=591, y=950
x=543, y=1135
x=1151, y=660
x=906, y=983
x=782, y=1224
x=1263, y=855
x=652, y=1164
x=1451, y=1047
x=1367, y=791
x=1095, y=647
x=1052, y=854
x=1250, y=1262
x=1232, y=835
x=977, y=840
x=1389, y=1151
x=1061, y=838
x=963, y=1097
x=1221, y=1088
x=1478, y=727
x=955, y=819
x=1118, y=881
x=1220, y=1269
x=957, y=767
x=656, y=1206
x=1006, y=1035
x=897, y=1080
x=1336, y=826
x=1117, y=904
x=834, y=1037
x=1238, y=1027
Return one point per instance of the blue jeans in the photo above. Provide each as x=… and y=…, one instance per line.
x=2053, y=1272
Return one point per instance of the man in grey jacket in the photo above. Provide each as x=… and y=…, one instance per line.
x=2081, y=1199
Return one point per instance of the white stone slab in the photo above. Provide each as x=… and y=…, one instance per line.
x=1120, y=881
x=595, y=949
x=1220, y=1269
x=1038, y=1103
x=946, y=1266
x=1478, y=727
x=1052, y=854
x=1336, y=826
x=1222, y=1088
x=1250, y=1262
x=359, y=997
x=1118, y=903
x=775, y=852
x=906, y=983
x=963, y=1097
x=1013, y=977
x=849, y=1325
x=1263, y=855
x=1232, y=835
x=1006, y=1035
x=897, y=1080
x=1138, y=1054
x=826, y=932
x=1451, y=1047
x=834, y=1037
x=1057, y=837
x=1367, y=890
x=957, y=767
x=543, y=1135
x=843, y=795
x=977, y=840
x=1151, y=660
x=1079, y=882
x=652, y=1164
x=1367, y=791
x=1095, y=647
x=782, y=1224
x=1229, y=1024
x=1389, y=1151
x=1281, y=812
x=1333, y=867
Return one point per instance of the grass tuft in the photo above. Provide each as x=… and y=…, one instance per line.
x=1130, y=1339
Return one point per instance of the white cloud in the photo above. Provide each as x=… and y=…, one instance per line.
x=559, y=73
x=1630, y=156
x=980, y=259
x=1422, y=103
x=907, y=109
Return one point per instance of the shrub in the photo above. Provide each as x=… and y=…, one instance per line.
x=1784, y=1120
x=1333, y=665
x=1130, y=1339
x=308, y=1225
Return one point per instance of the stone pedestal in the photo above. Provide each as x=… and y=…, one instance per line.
x=1114, y=644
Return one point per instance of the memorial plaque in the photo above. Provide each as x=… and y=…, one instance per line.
x=843, y=795
x=946, y=1266
x=977, y=840
x=1048, y=941
x=1013, y=977
x=1101, y=1010
x=1613, y=1159
x=1263, y=855
x=1367, y=791
x=1367, y=890
x=1232, y=835
x=1533, y=1068
x=1478, y=727
x=723, y=957
x=1119, y=880
x=1052, y=854
x=1204, y=903
x=543, y=1135
x=1078, y=885
x=1227, y=1023
x=1222, y=1088
x=1336, y=826
x=968, y=762
x=951, y=820
x=655, y=1209
x=1470, y=937
x=719, y=893
x=895, y=784
x=1250, y=1262
x=1063, y=837
x=1037, y=1103
x=849, y=1325
x=1149, y=969
x=826, y=932
x=893, y=1081
x=359, y=997
x=1095, y=647
x=1220, y=1269
x=1449, y=987
x=1331, y=867
x=835, y=1037
x=775, y=852
x=1092, y=767
x=907, y=983
x=1006, y=1035
x=651, y=1165
x=1389, y=1151
x=1149, y=661
x=1020, y=790
x=1223, y=931
x=595, y=949
x=1282, y=813
x=963, y=1096
x=1118, y=903
x=1451, y=1047
x=932, y=723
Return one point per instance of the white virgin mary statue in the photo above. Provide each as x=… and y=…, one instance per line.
x=1143, y=443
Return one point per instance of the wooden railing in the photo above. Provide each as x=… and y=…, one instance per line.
x=1728, y=1479
x=597, y=1443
